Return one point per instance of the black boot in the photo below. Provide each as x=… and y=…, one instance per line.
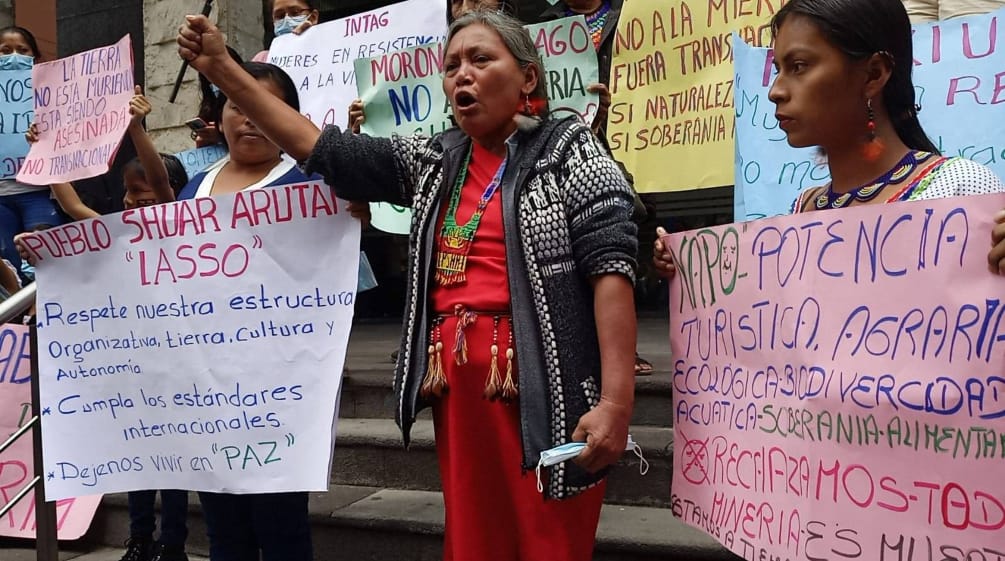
x=139, y=549
x=169, y=553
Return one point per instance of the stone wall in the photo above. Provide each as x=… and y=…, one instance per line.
x=240, y=20
x=6, y=13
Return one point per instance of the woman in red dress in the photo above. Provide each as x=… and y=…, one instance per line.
x=520, y=322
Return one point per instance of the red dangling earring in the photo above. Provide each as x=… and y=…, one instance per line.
x=874, y=148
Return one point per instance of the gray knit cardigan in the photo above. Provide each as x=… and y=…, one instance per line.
x=566, y=215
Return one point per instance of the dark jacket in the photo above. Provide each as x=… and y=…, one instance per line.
x=566, y=210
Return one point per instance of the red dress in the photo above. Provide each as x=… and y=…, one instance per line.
x=494, y=511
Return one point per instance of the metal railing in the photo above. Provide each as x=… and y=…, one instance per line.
x=46, y=545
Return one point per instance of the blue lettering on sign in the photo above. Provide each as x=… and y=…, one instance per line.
x=782, y=256
x=90, y=474
x=15, y=356
x=411, y=108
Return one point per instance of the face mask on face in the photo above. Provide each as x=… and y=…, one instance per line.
x=570, y=450
x=16, y=61
x=288, y=24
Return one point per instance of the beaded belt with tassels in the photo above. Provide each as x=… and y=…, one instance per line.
x=434, y=384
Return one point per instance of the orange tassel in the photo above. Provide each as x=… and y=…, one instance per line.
x=427, y=381
x=509, y=389
x=492, y=384
x=435, y=382
x=439, y=377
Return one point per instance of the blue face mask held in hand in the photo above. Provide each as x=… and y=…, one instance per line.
x=16, y=61
x=570, y=450
x=287, y=24
x=365, y=280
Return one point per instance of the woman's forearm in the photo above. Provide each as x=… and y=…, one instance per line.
x=614, y=308
x=70, y=202
x=153, y=166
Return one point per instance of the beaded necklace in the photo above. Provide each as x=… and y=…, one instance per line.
x=595, y=22
x=904, y=169
x=456, y=240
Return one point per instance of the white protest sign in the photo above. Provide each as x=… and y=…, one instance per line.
x=196, y=345
x=320, y=61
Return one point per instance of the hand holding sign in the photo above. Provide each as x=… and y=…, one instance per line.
x=139, y=106
x=82, y=113
x=662, y=258
x=32, y=135
x=603, y=104
x=996, y=257
x=356, y=115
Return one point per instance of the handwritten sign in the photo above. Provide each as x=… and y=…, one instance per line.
x=403, y=92
x=82, y=111
x=15, y=116
x=570, y=66
x=958, y=79
x=204, y=348
x=198, y=159
x=672, y=88
x=838, y=386
x=321, y=60
x=73, y=515
x=325, y=74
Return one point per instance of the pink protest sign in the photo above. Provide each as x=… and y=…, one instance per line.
x=82, y=112
x=839, y=383
x=73, y=516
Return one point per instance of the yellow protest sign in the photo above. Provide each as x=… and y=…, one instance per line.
x=672, y=120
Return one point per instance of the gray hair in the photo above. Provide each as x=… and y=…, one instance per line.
x=514, y=36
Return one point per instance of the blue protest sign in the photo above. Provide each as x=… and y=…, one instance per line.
x=16, y=114
x=198, y=159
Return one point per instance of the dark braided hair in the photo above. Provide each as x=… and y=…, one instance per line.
x=860, y=29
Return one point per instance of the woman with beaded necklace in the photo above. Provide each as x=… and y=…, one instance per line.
x=520, y=320
x=875, y=147
x=844, y=84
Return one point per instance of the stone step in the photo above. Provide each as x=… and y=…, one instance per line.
x=74, y=551
x=369, y=452
x=367, y=524
x=367, y=394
